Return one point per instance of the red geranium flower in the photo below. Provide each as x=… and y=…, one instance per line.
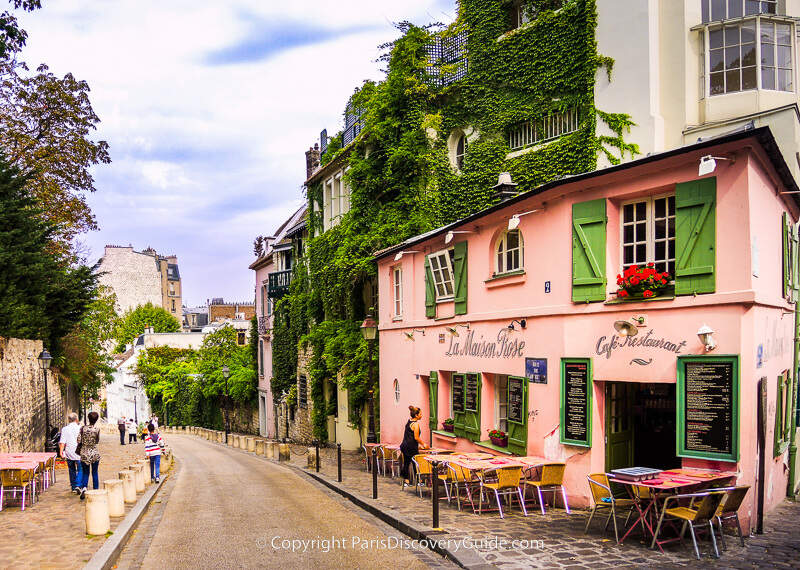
x=647, y=294
x=622, y=293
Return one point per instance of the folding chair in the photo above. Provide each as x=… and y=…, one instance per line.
x=729, y=510
x=508, y=484
x=552, y=480
x=700, y=517
x=604, y=499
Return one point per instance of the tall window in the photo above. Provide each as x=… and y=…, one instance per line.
x=397, y=286
x=261, y=357
x=648, y=233
x=715, y=10
x=509, y=252
x=302, y=391
x=501, y=385
x=442, y=270
x=461, y=151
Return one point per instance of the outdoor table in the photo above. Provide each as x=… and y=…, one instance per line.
x=13, y=464
x=480, y=466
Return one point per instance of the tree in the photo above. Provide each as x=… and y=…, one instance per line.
x=134, y=321
x=12, y=37
x=220, y=348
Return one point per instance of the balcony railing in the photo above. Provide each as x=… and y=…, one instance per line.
x=263, y=325
x=279, y=282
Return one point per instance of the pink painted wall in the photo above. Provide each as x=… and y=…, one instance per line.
x=745, y=311
x=261, y=276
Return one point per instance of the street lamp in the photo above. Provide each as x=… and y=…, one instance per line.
x=225, y=373
x=369, y=329
x=44, y=363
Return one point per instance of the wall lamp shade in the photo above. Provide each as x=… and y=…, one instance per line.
x=709, y=163
x=226, y=372
x=706, y=335
x=45, y=359
x=454, y=329
x=513, y=221
x=628, y=328
x=400, y=254
x=450, y=235
x=369, y=328
x=522, y=324
x=410, y=335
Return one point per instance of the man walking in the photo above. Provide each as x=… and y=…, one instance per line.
x=121, y=428
x=67, y=445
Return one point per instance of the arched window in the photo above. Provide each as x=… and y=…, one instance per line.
x=509, y=252
x=461, y=151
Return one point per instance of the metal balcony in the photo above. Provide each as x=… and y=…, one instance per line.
x=279, y=282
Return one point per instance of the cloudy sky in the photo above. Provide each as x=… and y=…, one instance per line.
x=208, y=107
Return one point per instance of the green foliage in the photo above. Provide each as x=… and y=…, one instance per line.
x=134, y=321
x=220, y=348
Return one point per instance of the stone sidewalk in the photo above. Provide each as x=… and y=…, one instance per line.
x=553, y=540
x=52, y=533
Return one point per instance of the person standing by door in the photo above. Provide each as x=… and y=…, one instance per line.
x=67, y=445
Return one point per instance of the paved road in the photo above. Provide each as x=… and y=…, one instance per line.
x=232, y=510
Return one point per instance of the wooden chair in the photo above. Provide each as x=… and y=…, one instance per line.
x=552, y=480
x=699, y=517
x=729, y=510
x=604, y=499
x=508, y=484
x=17, y=480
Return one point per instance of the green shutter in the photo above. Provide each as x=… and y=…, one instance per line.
x=472, y=418
x=430, y=292
x=460, y=275
x=433, y=400
x=791, y=282
x=589, y=251
x=458, y=416
x=695, y=236
x=518, y=432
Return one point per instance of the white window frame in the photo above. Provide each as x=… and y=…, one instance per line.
x=650, y=234
x=501, y=402
x=397, y=288
x=440, y=263
x=501, y=252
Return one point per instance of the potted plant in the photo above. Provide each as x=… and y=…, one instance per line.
x=498, y=438
x=449, y=425
x=641, y=282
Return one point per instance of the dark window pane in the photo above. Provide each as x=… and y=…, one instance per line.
x=627, y=213
x=767, y=33
x=732, y=81
x=768, y=7
x=731, y=35
x=661, y=229
x=749, y=79
x=671, y=249
x=785, y=80
x=661, y=207
x=705, y=11
x=717, y=83
x=752, y=7
x=627, y=255
x=767, y=78
x=732, y=57
x=718, y=9
x=641, y=252
x=641, y=210
x=641, y=232
x=627, y=234
x=784, y=35
x=784, y=56
x=717, y=59
x=716, y=38
x=748, y=32
x=513, y=239
x=671, y=202
x=734, y=8
x=768, y=55
x=661, y=249
x=748, y=55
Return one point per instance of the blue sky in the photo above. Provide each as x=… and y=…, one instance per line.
x=208, y=107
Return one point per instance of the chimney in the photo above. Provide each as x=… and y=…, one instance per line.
x=312, y=160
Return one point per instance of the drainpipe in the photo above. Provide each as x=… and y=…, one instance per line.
x=790, y=490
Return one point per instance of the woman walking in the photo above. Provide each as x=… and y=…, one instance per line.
x=411, y=442
x=88, y=438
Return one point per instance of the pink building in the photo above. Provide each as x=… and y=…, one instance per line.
x=509, y=320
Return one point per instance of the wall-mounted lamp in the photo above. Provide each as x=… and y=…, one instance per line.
x=513, y=222
x=706, y=336
x=450, y=235
x=410, y=335
x=522, y=324
x=709, y=163
x=628, y=328
x=400, y=254
x=454, y=330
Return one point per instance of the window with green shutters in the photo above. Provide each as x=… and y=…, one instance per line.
x=446, y=279
x=589, y=251
x=791, y=280
x=466, y=405
x=783, y=413
x=433, y=400
x=695, y=236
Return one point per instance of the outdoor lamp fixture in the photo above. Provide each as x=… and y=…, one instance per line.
x=450, y=235
x=709, y=163
x=454, y=330
x=44, y=363
x=226, y=372
x=410, y=335
x=707, y=337
x=400, y=255
x=522, y=324
x=369, y=328
x=505, y=187
x=513, y=222
x=628, y=328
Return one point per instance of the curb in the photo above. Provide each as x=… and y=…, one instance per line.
x=106, y=557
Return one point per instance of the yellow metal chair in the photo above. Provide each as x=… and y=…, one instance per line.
x=729, y=510
x=699, y=517
x=17, y=480
x=389, y=459
x=552, y=480
x=508, y=484
x=604, y=499
x=462, y=478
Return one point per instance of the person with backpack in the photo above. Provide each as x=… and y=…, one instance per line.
x=153, y=443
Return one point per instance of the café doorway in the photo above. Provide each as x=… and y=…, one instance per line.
x=640, y=425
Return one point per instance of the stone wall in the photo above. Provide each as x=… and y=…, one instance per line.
x=22, y=401
x=300, y=426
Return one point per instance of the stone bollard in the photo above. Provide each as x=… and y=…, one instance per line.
x=233, y=440
x=97, y=521
x=242, y=443
x=259, y=447
x=128, y=485
x=116, y=497
x=312, y=458
x=251, y=444
x=220, y=437
x=166, y=459
x=269, y=449
x=284, y=453
x=146, y=464
x=138, y=476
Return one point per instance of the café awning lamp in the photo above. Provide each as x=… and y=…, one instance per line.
x=706, y=336
x=628, y=328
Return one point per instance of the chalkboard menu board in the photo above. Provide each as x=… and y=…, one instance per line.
x=536, y=370
x=471, y=396
x=516, y=399
x=458, y=392
x=708, y=407
x=576, y=401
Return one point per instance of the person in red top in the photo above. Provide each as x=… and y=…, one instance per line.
x=153, y=442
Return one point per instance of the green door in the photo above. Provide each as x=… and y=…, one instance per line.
x=619, y=425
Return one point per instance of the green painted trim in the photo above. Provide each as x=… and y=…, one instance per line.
x=489, y=445
x=442, y=433
x=589, y=395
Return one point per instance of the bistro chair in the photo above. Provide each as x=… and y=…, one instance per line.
x=729, y=510
x=17, y=481
x=389, y=459
x=699, y=517
x=552, y=480
x=508, y=484
x=462, y=478
x=424, y=473
x=604, y=499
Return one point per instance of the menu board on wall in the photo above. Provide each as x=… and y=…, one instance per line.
x=516, y=399
x=708, y=390
x=471, y=396
x=576, y=401
x=458, y=393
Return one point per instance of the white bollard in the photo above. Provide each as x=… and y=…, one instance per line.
x=269, y=449
x=128, y=478
x=97, y=521
x=259, y=447
x=138, y=476
x=284, y=453
x=116, y=497
x=146, y=464
x=251, y=444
